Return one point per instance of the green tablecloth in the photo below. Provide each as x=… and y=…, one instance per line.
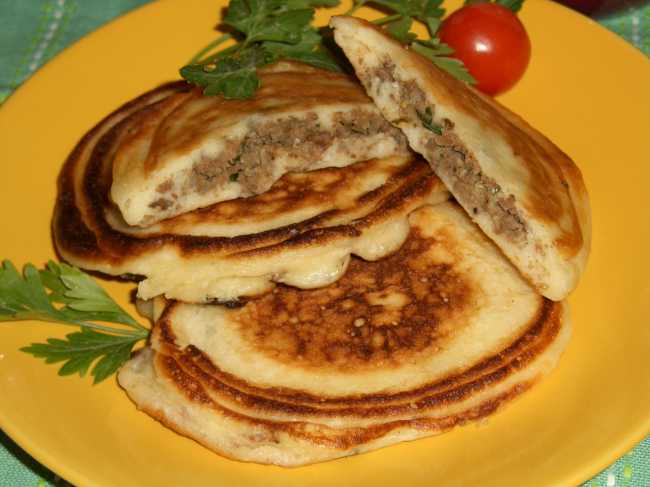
x=32, y=31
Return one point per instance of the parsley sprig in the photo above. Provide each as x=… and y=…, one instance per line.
x=514, y=5
x=265, y=31
x=60, y=293
x=399, y=23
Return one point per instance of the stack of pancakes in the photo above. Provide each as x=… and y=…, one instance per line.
x=316, y=290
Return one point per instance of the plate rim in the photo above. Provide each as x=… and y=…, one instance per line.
x=67, y=470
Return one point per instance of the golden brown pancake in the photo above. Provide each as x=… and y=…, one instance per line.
x=441, y=332
x=301, y=231
x=191, y=150
x=521, y=189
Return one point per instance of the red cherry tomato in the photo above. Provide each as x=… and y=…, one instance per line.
x=492, y=43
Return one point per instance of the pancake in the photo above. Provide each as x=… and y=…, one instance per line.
x=442, y=332
x=522, y=190
x=192, y=150
x=301, y=231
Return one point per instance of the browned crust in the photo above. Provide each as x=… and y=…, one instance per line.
x=275, y=85
x=68, y=227
x=538, y=335
x=67, y=222
x=90, y=237
x=346, y=327
x=556, y=187
x=547, y=205
x=549, y=197
x=338, y=439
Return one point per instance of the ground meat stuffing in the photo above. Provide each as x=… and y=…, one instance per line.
x=165, y=187
x=209, y=173
x=161, y=204
x=452, y=160
x=250, y=161
x=476, y=190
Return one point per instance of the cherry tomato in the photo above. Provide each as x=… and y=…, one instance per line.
x=492, y=43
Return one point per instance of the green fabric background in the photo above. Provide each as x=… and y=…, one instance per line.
x=32, y=31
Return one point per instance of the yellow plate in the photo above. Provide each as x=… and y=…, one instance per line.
x=585, y=88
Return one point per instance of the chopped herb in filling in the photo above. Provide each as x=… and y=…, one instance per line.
x=426, y=118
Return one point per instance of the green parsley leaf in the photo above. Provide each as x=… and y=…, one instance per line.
x=248, y=16
x=281, y=27
x=453, y=66
x=81, y=294
x=514, y=5
x=309, y=50
x=418, y=9
x=79, y=301
x=431, y=10
x=400, y=30
x=80, y=349
x=295, y=4
x=426, y=117
x=428, y=12
x=433, y=24
x=267, y=30
x=234, y=76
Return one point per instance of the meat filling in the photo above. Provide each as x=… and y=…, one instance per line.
x=251, y=161
x=476, y=190
x=452, y=160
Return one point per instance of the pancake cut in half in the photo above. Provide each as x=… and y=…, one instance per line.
x=192, y=150
x=522, y=190
x=441, y=332
x=301, y=231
